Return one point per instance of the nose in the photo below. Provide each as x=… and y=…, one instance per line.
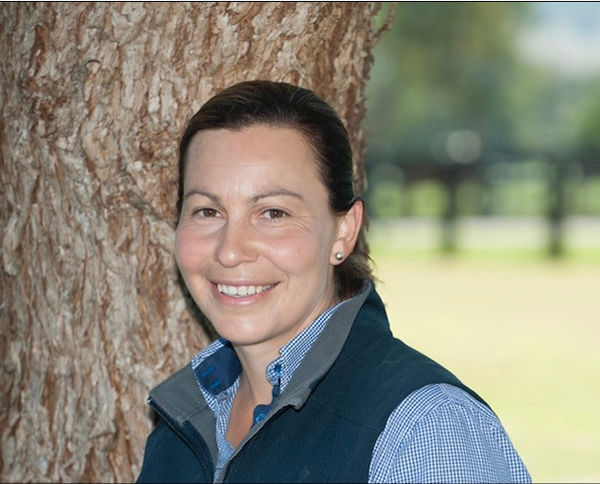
x=236, y=244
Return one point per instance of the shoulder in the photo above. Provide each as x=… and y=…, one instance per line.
x=441, y=433
x=436, y=401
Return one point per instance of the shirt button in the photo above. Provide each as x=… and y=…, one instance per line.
x=260, y=417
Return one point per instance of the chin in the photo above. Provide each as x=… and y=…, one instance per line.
x=240, y=340
x=238, y=333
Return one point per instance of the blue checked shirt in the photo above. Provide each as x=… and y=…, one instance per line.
x=439, y=433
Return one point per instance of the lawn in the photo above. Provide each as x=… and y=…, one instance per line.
x=522, y=331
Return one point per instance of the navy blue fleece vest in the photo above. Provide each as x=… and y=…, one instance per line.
x=331, y=438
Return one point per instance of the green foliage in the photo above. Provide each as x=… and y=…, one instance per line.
x=443, y=66
x=520, y=198
x=424, y=199
x=473, y=198
x=549, y=111
x=427, y=199
x=388, y=200
x=448, y=67
x=585, y=196
x=519, y=188
x=589, y=133
x=510, y=192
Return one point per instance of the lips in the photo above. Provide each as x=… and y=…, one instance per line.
x=242, y=291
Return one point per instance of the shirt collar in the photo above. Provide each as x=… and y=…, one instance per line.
x=217, y=367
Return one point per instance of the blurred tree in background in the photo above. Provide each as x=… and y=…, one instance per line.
x=589, y=133
x=443, y=66
x=461, y=123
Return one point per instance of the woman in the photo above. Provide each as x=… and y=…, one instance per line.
x=306, y=382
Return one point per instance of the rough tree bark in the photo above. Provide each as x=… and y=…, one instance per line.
x=93, y=98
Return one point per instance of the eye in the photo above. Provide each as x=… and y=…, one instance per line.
x=274, y=214
x=206, y=212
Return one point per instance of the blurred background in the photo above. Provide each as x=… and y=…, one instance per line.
x=484, y=199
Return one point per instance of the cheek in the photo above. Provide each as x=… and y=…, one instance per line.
x=188, y=250
x=295, y=254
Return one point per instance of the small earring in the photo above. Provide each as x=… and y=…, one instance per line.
x=339, y=255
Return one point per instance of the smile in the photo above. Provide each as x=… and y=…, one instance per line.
x=242, y=291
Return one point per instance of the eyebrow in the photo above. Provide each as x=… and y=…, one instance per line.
x=195, y=191
x=273, y=193
x=277, y=193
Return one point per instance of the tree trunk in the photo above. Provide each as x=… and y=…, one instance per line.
x=93, y=98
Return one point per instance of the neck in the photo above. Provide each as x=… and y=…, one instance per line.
x=254, y=390
x=253, y=379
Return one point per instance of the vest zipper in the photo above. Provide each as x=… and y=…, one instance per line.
x=247, y=439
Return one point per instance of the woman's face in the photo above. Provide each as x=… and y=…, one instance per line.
x=256, y=240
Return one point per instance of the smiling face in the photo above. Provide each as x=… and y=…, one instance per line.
x=256, y=239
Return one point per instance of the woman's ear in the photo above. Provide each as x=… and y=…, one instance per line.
x=348, y=228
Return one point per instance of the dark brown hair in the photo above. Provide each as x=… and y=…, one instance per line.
x=281, y=104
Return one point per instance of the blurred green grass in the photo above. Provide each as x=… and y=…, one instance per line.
x=520, y=329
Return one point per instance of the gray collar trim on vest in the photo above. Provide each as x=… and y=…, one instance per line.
x=324, y=352
x=179, y=401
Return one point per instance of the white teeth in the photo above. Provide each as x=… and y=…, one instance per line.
x=241, y=291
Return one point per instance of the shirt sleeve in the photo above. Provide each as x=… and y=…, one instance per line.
x=440, y=433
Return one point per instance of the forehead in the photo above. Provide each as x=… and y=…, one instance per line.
x=283, y=149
